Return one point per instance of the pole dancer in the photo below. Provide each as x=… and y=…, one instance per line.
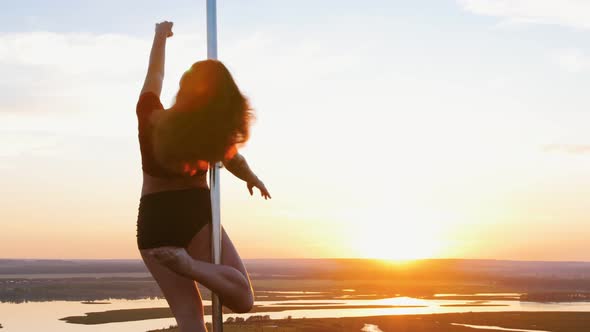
x=207, y=123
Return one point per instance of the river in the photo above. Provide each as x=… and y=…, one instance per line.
x=44, y=316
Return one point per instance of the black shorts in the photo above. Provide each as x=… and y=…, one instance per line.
x=172, y=218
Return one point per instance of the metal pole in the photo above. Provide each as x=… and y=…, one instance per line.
x=214, y=170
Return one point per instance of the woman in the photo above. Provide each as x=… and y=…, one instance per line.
x=209, y=119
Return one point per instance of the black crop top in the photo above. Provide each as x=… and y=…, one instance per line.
x=147, y=103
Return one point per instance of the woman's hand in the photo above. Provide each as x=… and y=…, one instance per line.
x=165, y=28
x=258, y=184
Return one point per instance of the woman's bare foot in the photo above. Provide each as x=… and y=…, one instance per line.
x=175, y=258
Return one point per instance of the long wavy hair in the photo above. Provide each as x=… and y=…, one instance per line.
x=210, y=118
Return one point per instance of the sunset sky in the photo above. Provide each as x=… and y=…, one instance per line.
x=389, y=129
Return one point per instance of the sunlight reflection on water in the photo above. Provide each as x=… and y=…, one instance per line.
x=371, y=328
x=17, y=317
x=496, y=328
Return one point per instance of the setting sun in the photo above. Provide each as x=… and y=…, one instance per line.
x=404, y=236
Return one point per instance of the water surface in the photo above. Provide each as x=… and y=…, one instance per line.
x=44, y=316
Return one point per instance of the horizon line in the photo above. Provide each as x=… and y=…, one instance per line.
x=321, y=258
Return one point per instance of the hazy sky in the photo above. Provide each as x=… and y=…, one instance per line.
x=397, y=129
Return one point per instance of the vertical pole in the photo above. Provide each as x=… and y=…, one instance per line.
x=214, y=170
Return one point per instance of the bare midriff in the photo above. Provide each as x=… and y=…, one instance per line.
x=152, y=184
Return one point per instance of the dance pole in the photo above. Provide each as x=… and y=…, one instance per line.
x=214, y=170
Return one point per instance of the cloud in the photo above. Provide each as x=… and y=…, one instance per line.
x=80, y=72
x=570, y=13
x=51, y=71
x=22, y=144
x=74, y=53
x=577, y=149
x=90, y=72
x=572, y=60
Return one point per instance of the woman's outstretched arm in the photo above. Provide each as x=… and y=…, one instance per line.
x=155, y=72
x=239, y=167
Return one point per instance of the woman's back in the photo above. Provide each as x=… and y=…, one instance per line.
x=155, y=177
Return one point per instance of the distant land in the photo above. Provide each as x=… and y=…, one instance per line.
x=468, y=283
x=455, y=322
x=24, y=280
x=314, y=268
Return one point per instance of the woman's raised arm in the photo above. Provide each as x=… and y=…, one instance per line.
x=155, y=72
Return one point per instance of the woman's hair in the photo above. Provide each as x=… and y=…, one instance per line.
x=209, y=119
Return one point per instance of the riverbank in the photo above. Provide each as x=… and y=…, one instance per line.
x=533, y=321
x=128, y=315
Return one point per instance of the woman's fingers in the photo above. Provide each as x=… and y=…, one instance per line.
x=263, y=191
x=165, y=27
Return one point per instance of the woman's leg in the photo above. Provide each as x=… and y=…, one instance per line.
x=229, y=280
x=181, y=293
x=200, y=249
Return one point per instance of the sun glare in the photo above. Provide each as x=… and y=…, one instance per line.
x=399, y=241
x=404, y=247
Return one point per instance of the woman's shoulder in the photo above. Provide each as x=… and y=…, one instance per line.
x=148, y=101
x=148, y=107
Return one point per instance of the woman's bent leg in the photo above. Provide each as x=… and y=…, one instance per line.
x=181, y=293
x=229, y=280
x=200, y=249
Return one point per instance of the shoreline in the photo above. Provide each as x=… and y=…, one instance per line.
x=452, y=322
x=128, y=315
